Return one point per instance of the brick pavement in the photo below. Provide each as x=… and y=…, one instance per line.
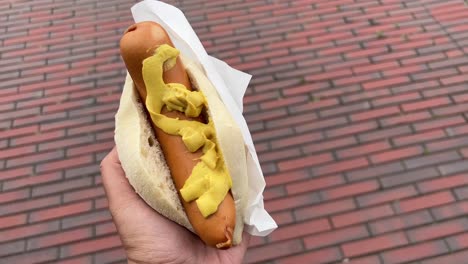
x=358, y=110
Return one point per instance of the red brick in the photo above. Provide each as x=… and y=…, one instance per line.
x=405, y=118
x=38, y=137
x=77, y=260
x=266, y=115
x=23, y=206
x=363, y=149
x=83, y=194
x=12, y=220
x=438, y=230
x=335, y=237
x=349, y=108
x=454, y=167
x=65, y=106
x=62, y=164
x=30, y=180
x=438, y=91
x=304, y=162
x=59, y=238
x=423, y=58
x=89, y=246
x=15, y=173
x=419, y=137
x=460, y=98
x=283, y=178
x=39, y=157
x=425, y=201
x=102, y=146
x=271, y=134
x=40, y=256
x=400, y=222
x=61, y=211
x=426, y=104
x=314, y=184
x=415, y=252
x=27, y=231
x=91, y=170
x=321, y=124
x=18, y=97
x=404, y=70
x=57, y=99
x=347, y=64
x=396, y=154
x=355, y=80
x=439, y=123
x=62, y=124
x=385, y=82
x=332, y=144
x=380, y=243
x=6, y=197
x=374, y=67
x=360, y=216
x=45, y=69
x=324, y=209
x=374, y=171
x=416, y=86
x=409, y=176
x=296, y=140
x=452, y=109
x=292, y=121
x=11, y=248
x=300, y=229
x=341, y=166
x=396, y=99
x=461, y=193
x=366, y=52
x=14, y=132
x=273, y=251
x=328, y=75
x=61, y=186
x=352, y=129
x=384, y=133
x=281, y=102
x=452, y=257
x=433, y=159
x=414, y=44
x=291, y=202
x=274, y=192
x=260, y=97
x=326, y=255
x=77, y=91
x=454, y=79
x=386, y=196
x=92, y=110
x=376, y=113
x=350, y=190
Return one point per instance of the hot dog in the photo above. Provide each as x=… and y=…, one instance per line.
x=185, y=132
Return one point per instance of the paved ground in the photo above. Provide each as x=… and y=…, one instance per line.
x=358, y=109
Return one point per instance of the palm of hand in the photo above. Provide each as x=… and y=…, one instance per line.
x=149, y=237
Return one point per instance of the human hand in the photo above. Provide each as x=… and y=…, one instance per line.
x=149, y=237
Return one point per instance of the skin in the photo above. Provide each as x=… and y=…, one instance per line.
x=147, y=236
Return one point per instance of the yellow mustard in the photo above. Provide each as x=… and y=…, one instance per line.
x=209, y=181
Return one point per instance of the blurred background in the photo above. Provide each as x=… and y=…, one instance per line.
x=358, y=110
